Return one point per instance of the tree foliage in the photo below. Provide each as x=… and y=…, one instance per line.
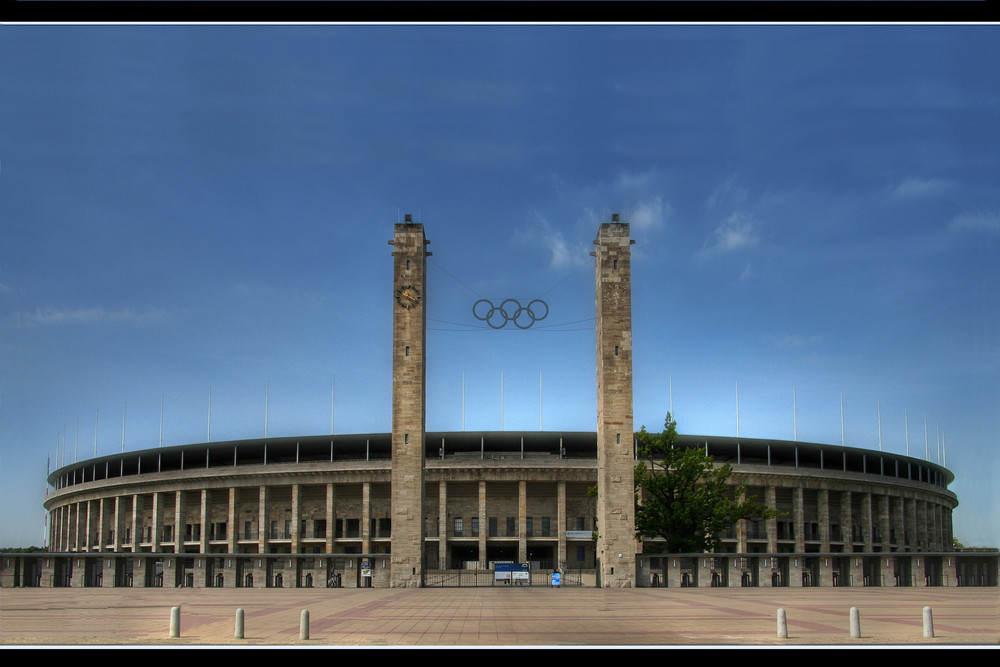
x=683, y=497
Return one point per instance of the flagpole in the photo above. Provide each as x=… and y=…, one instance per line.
x=906, y=419
x=671, y=380
x=737, y=408
x=927, y=451
x=843, y=441
x=795, y=423
x=878, y=404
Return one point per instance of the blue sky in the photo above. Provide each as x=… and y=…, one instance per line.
x=199, y=215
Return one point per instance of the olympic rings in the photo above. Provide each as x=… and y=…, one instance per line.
x=510, y=310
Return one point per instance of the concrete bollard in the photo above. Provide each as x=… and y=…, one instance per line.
x=239, y=624
x=928, y=623
x=304, y=625
x=175, y=621
x=782, y=625
x=855, y=623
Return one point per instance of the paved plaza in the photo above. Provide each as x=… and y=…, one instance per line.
x=453, y=617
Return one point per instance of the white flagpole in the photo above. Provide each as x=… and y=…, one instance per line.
x=843, y=441
x=906, y=419
x=927, y=451
x=737, y=408
x=267, y=391
x=795, y=422
x=878, y=404
x=76, y=443
x=124, y=405
x=671, y=379
x=208, y=437
x=333, y=391
x=161, y=420
x=463, y=400
x=97, y=414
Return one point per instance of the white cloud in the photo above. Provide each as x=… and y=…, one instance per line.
x=648, y=215
x=561, y=253
x=976, y=222
x=918, y=187
x=730, y=193
x=734, y=233
x=54, y=317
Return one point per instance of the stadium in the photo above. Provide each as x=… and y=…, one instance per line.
x=414, y=508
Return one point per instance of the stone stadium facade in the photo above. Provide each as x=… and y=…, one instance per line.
x=415, y=508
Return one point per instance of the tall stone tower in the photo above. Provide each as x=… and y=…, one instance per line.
x=616, y=543
x=409, y=365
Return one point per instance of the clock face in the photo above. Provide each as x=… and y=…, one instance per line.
x=408, y=296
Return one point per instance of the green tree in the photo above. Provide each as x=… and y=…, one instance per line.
x=683, y=497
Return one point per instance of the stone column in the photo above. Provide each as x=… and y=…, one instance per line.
x=297, y=520
x=73, y=541
x=938, y=532
x=262, y=510
x=409, y=365
x=179, y=511
x=331, y=518
x=232, y=523
x=866, y=521
x=522, y=521
x=100, y=526
x=796, y=565
x=885, y=523
x=561, y=521
x=81, y=526
x=771, y=525
x=921, y=533
x=56, y=518
x=88, y=535
x=616, y=544
x=741, y=534
x=887, y=569
x=156, y=521
x=136, y=526
x=116, y=538
x=897, y=512
x=847, y=521
x=442, y=525
x=798, y=518
x=919, y=567
x=203, y=519
x=910, y=510
x=483, y=526
x=947, y=528
x=366, y=517
x=949, y=571
x=823, y=511
x=857, y=570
